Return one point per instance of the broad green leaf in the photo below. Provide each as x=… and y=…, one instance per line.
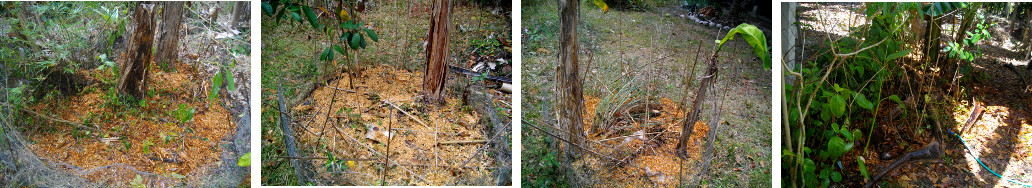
x=809, y=166
x=863, y=102
x=338, y=49
x=372, y=35
x=754, y=37
x=361, y=42
x=323, y=56
x=825, y=172
x=898, y=54
x=296, y=16
x=350, y=25
x=863, y=168
x=215, y=87
x=355, y=40
x=837, y=104
x=329, y=53
x=267, y=8
x=836, y=176
x=245, y=160
x=230, y=82
x=346, y=37
x=311, y=17
x=836, y=146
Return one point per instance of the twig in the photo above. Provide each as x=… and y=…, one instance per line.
x=315, y=158
x=114, y=165
x=433, y=132
x=406, y=113
x=444, y=166
x=58, y=120
x=348, y=90
x=571, y=143
x=462, y=142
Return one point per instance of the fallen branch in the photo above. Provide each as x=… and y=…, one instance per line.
x=462, y=142
x=348, y=90
x=288, y=134
x=929, y=152
x=571, y=143
x=976, y=112
x=444, y=166
x=317, y=158
x=114, y=165
x=58, y=120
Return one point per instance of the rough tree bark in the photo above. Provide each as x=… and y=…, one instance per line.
x=569, y=91
x=136, y=64
x=238, y=12
x=168, y=38
x=693, y=116
x=437, y=52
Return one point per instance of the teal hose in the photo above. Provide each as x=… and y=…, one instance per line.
x=983, y=164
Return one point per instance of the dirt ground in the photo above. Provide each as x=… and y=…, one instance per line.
x=1001, y=138
x=657, y=48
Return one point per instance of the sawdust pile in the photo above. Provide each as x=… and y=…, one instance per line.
x=149, y=138
x=355, y=127
x=648, y=151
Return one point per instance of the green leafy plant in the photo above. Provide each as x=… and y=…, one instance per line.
x=981, y=32
x=343, y=23
x=146, y=146
x=754, y=37
x=137, y=182
x=825, y=114
x=184, y=113
x=245, y=160
x=224, y=77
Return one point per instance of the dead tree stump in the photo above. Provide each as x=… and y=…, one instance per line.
x=437, y=52
x=136, y=64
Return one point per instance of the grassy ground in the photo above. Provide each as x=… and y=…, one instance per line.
x=653, y=47
x=291, y=52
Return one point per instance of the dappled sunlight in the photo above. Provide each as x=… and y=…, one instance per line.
x=834, y=19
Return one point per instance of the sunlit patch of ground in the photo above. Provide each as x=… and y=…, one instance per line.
x=993, y=148
x=833, y=18
x=150, y=139
x=415, y=145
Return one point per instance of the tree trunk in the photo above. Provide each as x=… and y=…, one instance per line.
x=569, y=94
x=437, y=52
x=693, y=116
x=136, y=65
x=932, y=40
x=238, y=12
x=168, y=38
